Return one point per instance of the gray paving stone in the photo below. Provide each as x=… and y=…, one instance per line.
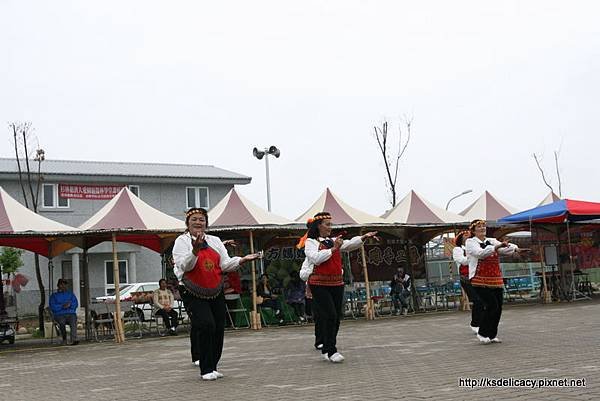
x=398, y=358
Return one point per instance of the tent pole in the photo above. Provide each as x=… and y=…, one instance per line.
x=119, y=335
x=545, y=295
x=86, y=295
x=255, y=319
x=369, y=313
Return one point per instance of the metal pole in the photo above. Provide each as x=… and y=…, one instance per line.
x=459, y=195
x=268, y=181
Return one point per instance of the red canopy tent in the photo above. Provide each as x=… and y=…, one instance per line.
x=556, y=217
x=24, y=229
x=126, y=218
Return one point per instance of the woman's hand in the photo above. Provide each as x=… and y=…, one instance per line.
x=249, y=257
x=337, y=243
x=372, y=234
x=502, y=244
x=197, y=244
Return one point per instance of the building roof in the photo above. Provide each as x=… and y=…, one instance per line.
x=128, y=169
x=414, y=209
x=341, y=212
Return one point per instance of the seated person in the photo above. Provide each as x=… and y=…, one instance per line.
x=63, y=305
x=295, y=295
x=163, y=301
x=400, y=291
x=269, y=299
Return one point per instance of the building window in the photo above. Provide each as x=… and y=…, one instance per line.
x=110, y=278
x=135, y=189
x=50, y=197
x=197, y=197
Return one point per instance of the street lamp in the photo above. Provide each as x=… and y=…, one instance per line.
x=259, y=154
x=457, y=196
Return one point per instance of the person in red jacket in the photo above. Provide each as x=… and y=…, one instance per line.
x=323, y=270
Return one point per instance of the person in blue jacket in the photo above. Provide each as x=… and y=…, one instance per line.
x=63, y=304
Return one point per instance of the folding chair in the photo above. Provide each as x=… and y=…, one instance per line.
x=102, y=320
x=131, y=318
x=55, y=326
x=238, y=308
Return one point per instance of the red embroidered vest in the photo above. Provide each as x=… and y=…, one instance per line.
x=328, y=273
x=488, y=273
x=205, y=280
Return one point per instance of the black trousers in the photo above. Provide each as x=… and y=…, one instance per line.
x=318, y=331
x=208, y=323
x=194, y=332
x=298, y=309
x=491, y=298
x=170, y=318
x=477, y=309
x=327, y=304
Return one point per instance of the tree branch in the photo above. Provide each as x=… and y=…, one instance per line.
x=25, y=138
x=558, y=174
x=392, y=165
x=14, y=128
x=542, y=172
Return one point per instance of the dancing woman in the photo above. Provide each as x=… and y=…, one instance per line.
x=486, y=278
x=200, y=259
x=322, y=269
x=459, y=255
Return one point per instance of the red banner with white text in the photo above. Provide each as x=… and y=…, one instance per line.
x=81, y=191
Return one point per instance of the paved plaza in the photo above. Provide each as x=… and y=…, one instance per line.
x=398, y=358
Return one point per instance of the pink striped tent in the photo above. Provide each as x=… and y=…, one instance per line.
x=341, y=212
x=414, y=209
x=487, y=207
x=234, y=210
x=135, y=220
x=24, y=229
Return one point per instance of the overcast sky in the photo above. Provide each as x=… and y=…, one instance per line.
x=487, y=83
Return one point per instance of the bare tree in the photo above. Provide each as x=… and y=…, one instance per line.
x=556, y=154
x=30, y=187
x=538, y=160
x=391, y=159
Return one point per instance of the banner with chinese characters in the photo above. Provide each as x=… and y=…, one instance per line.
x=384, y=259
x=85, y=191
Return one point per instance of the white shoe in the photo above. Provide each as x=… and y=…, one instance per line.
x=496, y=340
x=336, y=358
x=325, y=357
x=319, y=347
x=483, y=340
x=209, y=376
x=196, y=363
x=218, y=374
x=475, y=329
